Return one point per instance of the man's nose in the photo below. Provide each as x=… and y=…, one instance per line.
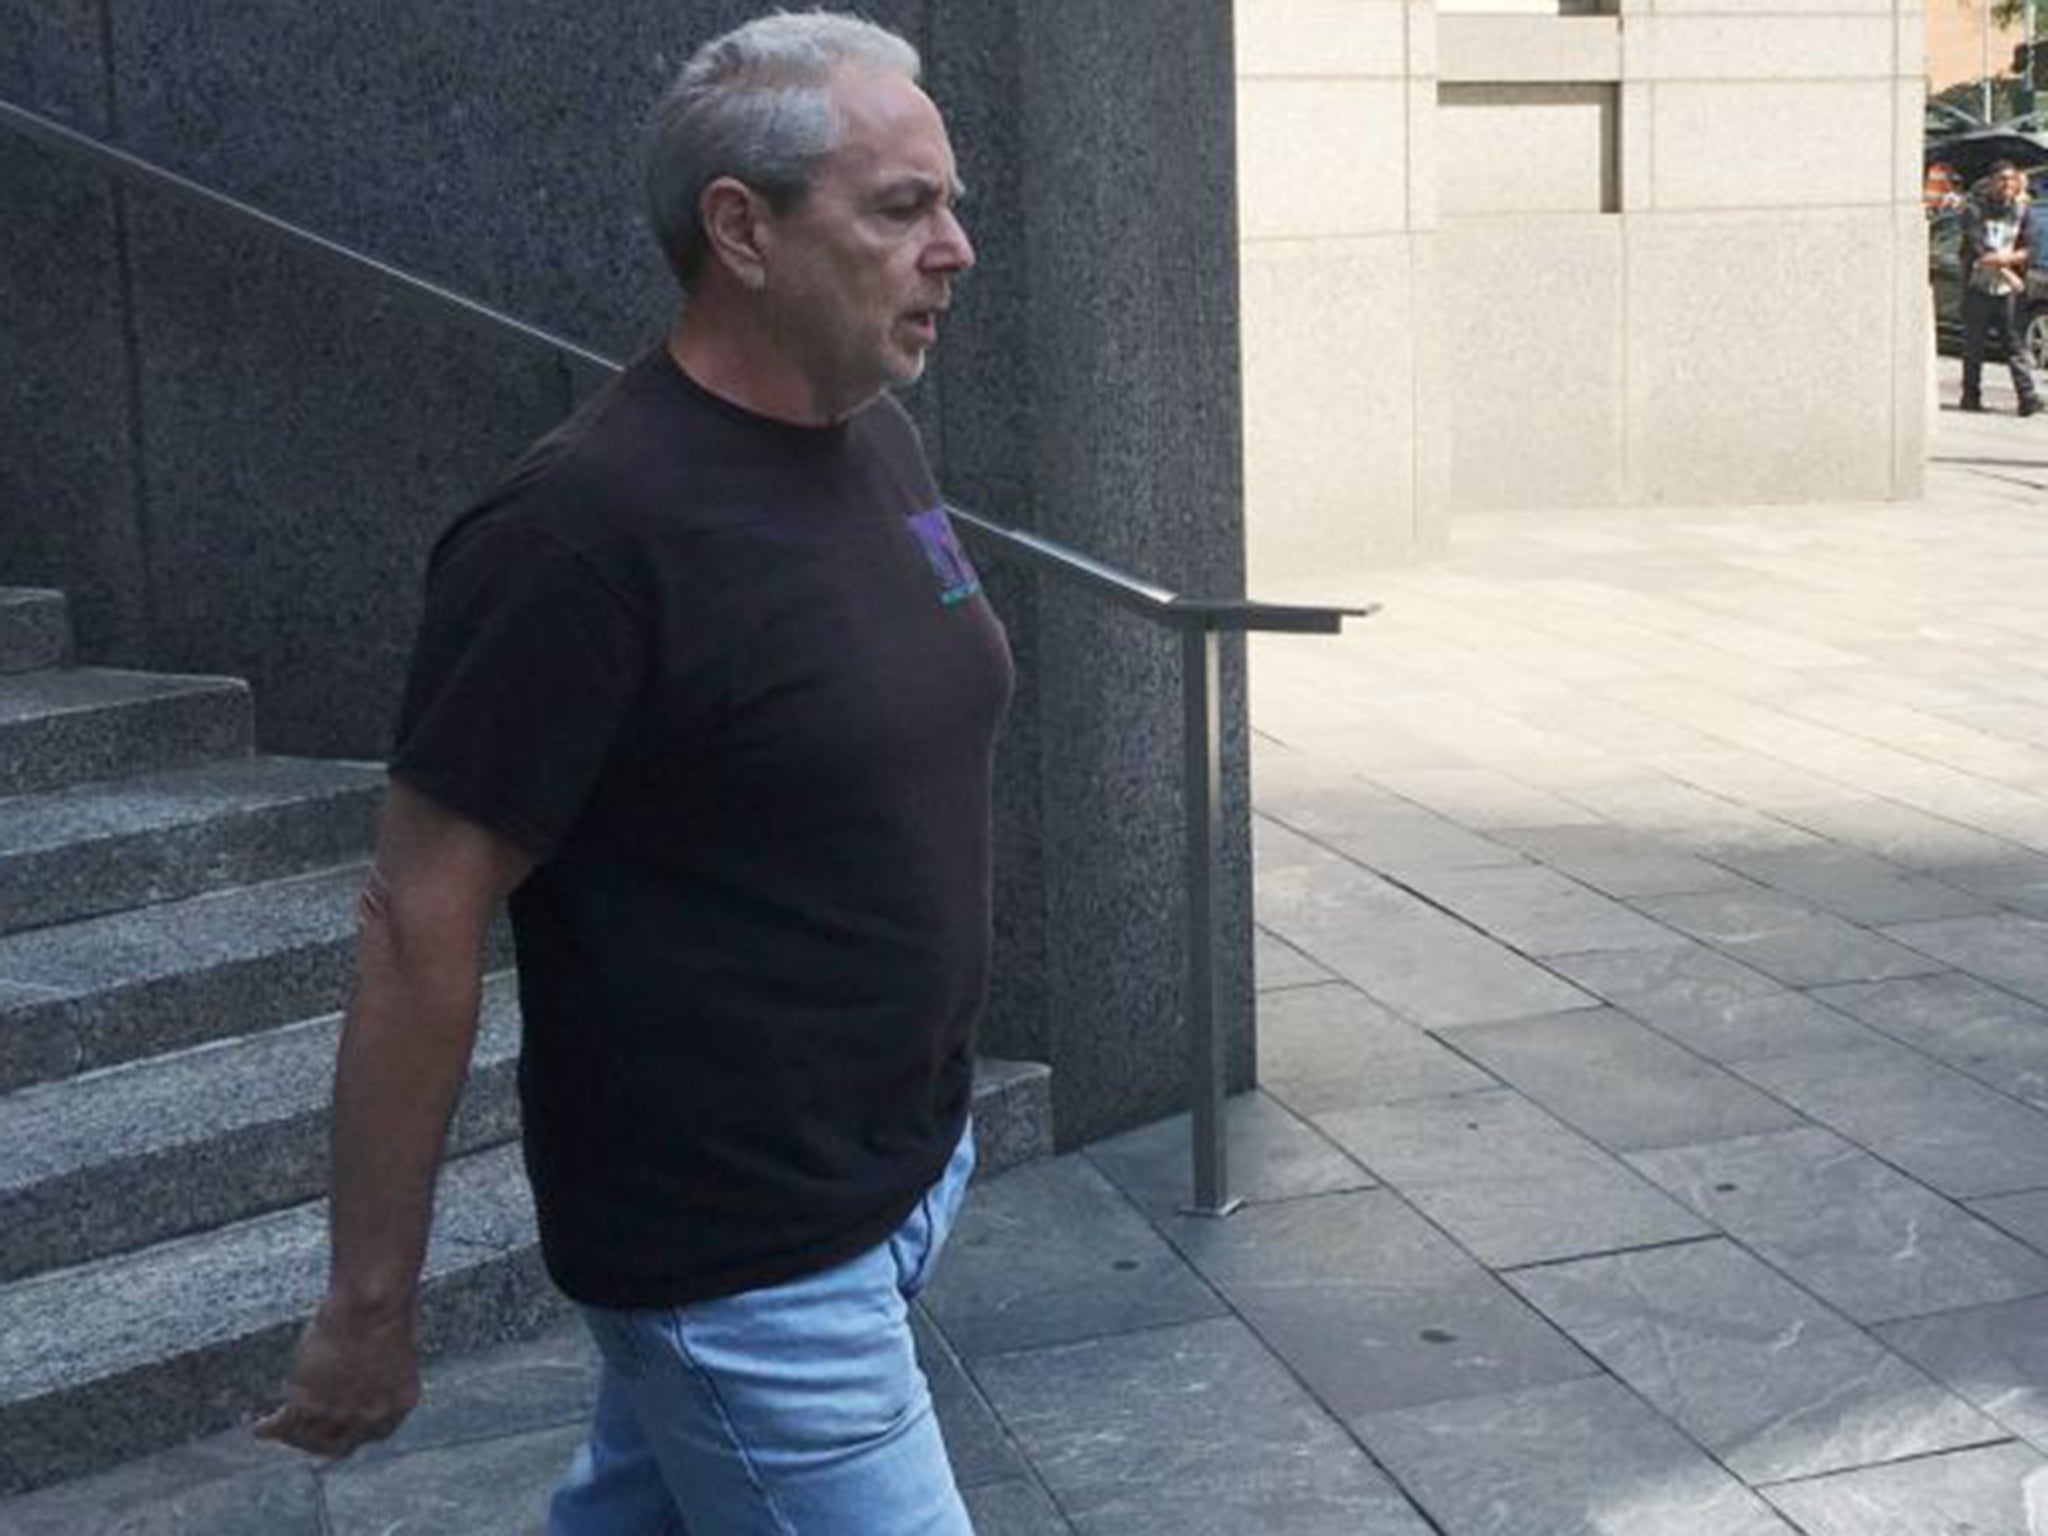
x=951, y=251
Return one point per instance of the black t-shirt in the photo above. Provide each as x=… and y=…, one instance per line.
x=733, y=683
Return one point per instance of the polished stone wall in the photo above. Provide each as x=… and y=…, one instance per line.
x=235, y=455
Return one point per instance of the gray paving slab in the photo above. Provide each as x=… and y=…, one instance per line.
x=1676, y=812
x=1857, y=1233
x=1619, y=1082
x=1322, y=797
x=1758, y=1028
x=282, y=1502
x=1323, y=1048
x=1188, y=1431
x=2015, y=879
x=1619, y=860
x=1976, y=1028
x=1371, y=1306
x=1964, y=1493
x=2024, y=1215
x=509, y=1389
x=1857, y=885
x=1016, y=1508
x=1580, y=1458
x=1995, y=1357
x=483, y=1488
x=2007, y=951
x=1945, y=1129
x=1508, y=1181
x=976, y=1443
x=1418, y=960
x=1910, y=836
x=1052, y=1253
x=1399, y=837
x=1538, y=911
x=229, y=1485
x=1270, y=1152
x=1791, y=940
x=1484, y=799
x=1712, y=1005
x=1774, y=1384
x=1277, y=964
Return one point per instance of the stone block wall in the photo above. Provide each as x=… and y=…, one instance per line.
x=1665, y=253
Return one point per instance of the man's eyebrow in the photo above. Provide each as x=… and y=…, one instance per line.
x=925, y=188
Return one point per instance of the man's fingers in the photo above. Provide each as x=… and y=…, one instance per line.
x=317, y=1434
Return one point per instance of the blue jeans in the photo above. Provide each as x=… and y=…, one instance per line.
x=795, y=1410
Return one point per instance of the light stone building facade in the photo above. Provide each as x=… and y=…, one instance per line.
x=1498, y=257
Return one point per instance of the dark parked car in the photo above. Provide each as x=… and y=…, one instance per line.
x=1945, y=270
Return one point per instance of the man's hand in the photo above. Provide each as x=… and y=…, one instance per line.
x=353, y=1381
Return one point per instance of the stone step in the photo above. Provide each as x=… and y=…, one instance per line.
x=35, y=629
x=117, y=1159
x=103, y=847
x=68, y=725
x=113, y=1160
x=110, y=1359
x=1012, y=1114
x=105, y=990
x=130, y=1354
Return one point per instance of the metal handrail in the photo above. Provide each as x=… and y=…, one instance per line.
x=103, y=156
x=1200, y=621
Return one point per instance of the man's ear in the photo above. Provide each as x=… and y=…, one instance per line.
x=734, y=216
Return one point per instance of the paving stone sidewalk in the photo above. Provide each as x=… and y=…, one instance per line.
x=1653, y=1138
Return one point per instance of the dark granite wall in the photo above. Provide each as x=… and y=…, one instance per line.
x=234, y=455
x=1128, y=201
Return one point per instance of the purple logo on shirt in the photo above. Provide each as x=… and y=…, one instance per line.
x=941, y=546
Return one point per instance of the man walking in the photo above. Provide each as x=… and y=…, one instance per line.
x=708, y=689
x=1995, y=259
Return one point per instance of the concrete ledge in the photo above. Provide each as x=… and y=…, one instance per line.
x=111, y=989
x=1012, y=1113
x=1565, y=49
x=105, y=847
x=220, y=1133
x=35, y=629
x=69, y=725
x=136, y=1353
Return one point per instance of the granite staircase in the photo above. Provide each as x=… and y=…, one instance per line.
x=176, y=914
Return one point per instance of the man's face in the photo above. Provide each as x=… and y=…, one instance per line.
x=2007, y=185
x=860, y=269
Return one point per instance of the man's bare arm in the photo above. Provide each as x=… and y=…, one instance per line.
x=405, y=1048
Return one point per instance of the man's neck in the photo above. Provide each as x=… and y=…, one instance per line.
x=739, y=362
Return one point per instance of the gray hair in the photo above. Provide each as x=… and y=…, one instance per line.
x=752, y=104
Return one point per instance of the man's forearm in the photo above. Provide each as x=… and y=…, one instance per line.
x=405, y=1047
x=405, y=1050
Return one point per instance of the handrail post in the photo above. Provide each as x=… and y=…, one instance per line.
x=1201, y=791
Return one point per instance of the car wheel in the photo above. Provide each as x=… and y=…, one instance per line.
x=2037, y=338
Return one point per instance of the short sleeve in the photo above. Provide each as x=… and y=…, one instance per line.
x=526, y=664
